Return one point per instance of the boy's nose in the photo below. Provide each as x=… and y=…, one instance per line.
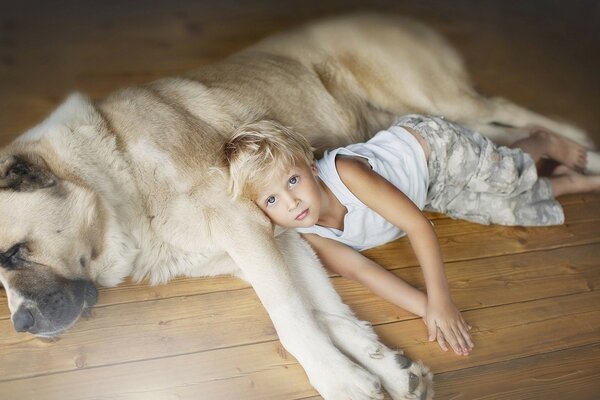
x=293, y=203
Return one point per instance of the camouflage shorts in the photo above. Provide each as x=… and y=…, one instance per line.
x=473, y=179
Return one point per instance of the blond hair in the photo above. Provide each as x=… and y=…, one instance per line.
x=259, y=152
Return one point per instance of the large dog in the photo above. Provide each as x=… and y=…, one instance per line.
x=133, y=185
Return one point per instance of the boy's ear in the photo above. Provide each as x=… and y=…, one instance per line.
x=313, y=168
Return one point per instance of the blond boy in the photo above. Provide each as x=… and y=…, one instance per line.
x=367, y=194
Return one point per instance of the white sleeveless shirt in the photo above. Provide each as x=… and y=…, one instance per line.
x=396, y=155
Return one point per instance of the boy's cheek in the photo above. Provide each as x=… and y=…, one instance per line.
x=273, y=216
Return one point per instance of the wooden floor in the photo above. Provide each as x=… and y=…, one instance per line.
x=530, y=294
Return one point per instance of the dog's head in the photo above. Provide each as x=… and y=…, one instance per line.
x=45, y=246
x=49, y=236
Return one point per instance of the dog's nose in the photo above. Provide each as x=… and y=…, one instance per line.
x=23, y=320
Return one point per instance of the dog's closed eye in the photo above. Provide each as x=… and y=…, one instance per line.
x=11, y=258
x=23, y=176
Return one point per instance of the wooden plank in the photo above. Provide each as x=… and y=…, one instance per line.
x=257, y=371
x=493, y=281
x=197, y=323
x=466, y=242
x=587, y=209
x=506, y=332
x=566, y=374
x=131, y=292
x=478, y=241
x=140, y=330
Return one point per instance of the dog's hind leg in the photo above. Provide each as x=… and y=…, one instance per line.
x=356, y=339
x=499, y=111
x=505, y=122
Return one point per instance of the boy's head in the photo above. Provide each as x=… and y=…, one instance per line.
x=273, y=166
x=259, y=152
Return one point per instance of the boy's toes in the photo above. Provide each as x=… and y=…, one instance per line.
x=580, y=163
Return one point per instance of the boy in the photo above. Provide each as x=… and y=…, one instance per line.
x=368, y=194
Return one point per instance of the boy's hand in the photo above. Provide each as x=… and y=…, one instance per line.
x=446, y=325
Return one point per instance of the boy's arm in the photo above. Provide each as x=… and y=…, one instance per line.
x=393, y=205
x=350, y=264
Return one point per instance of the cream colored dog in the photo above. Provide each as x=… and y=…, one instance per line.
x=133, y=185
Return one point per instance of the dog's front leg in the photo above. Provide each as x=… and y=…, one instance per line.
x=401, y=377
x=248, y=238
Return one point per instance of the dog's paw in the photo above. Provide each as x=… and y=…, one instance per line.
x=404, y=379
x=349, y=382
x=593, y=163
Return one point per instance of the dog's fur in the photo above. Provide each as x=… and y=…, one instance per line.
x=134, y=185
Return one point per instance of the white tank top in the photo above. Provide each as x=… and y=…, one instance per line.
x=396, y=155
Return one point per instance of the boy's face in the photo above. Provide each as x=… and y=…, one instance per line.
x=293, y=198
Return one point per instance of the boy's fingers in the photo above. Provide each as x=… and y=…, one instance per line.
x=465, y=324
x=442, y=341
x=467, y=336
x=462, y=344
x=458, y=349
x=451, y=339
x=463, y=330
x=431, y=331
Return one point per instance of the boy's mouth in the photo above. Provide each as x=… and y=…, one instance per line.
x=302, y=215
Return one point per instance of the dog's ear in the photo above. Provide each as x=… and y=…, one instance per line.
x=25, y=174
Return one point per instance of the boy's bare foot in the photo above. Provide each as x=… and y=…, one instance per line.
x=567, y=181
x=561, y=170
x=561, y=149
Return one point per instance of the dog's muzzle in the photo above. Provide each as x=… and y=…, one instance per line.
x=52, y=312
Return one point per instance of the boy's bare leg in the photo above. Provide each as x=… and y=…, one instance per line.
x=543, y=143
x=567, y=181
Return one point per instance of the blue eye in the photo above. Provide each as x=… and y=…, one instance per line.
x=293, y=180
x=271, y=200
